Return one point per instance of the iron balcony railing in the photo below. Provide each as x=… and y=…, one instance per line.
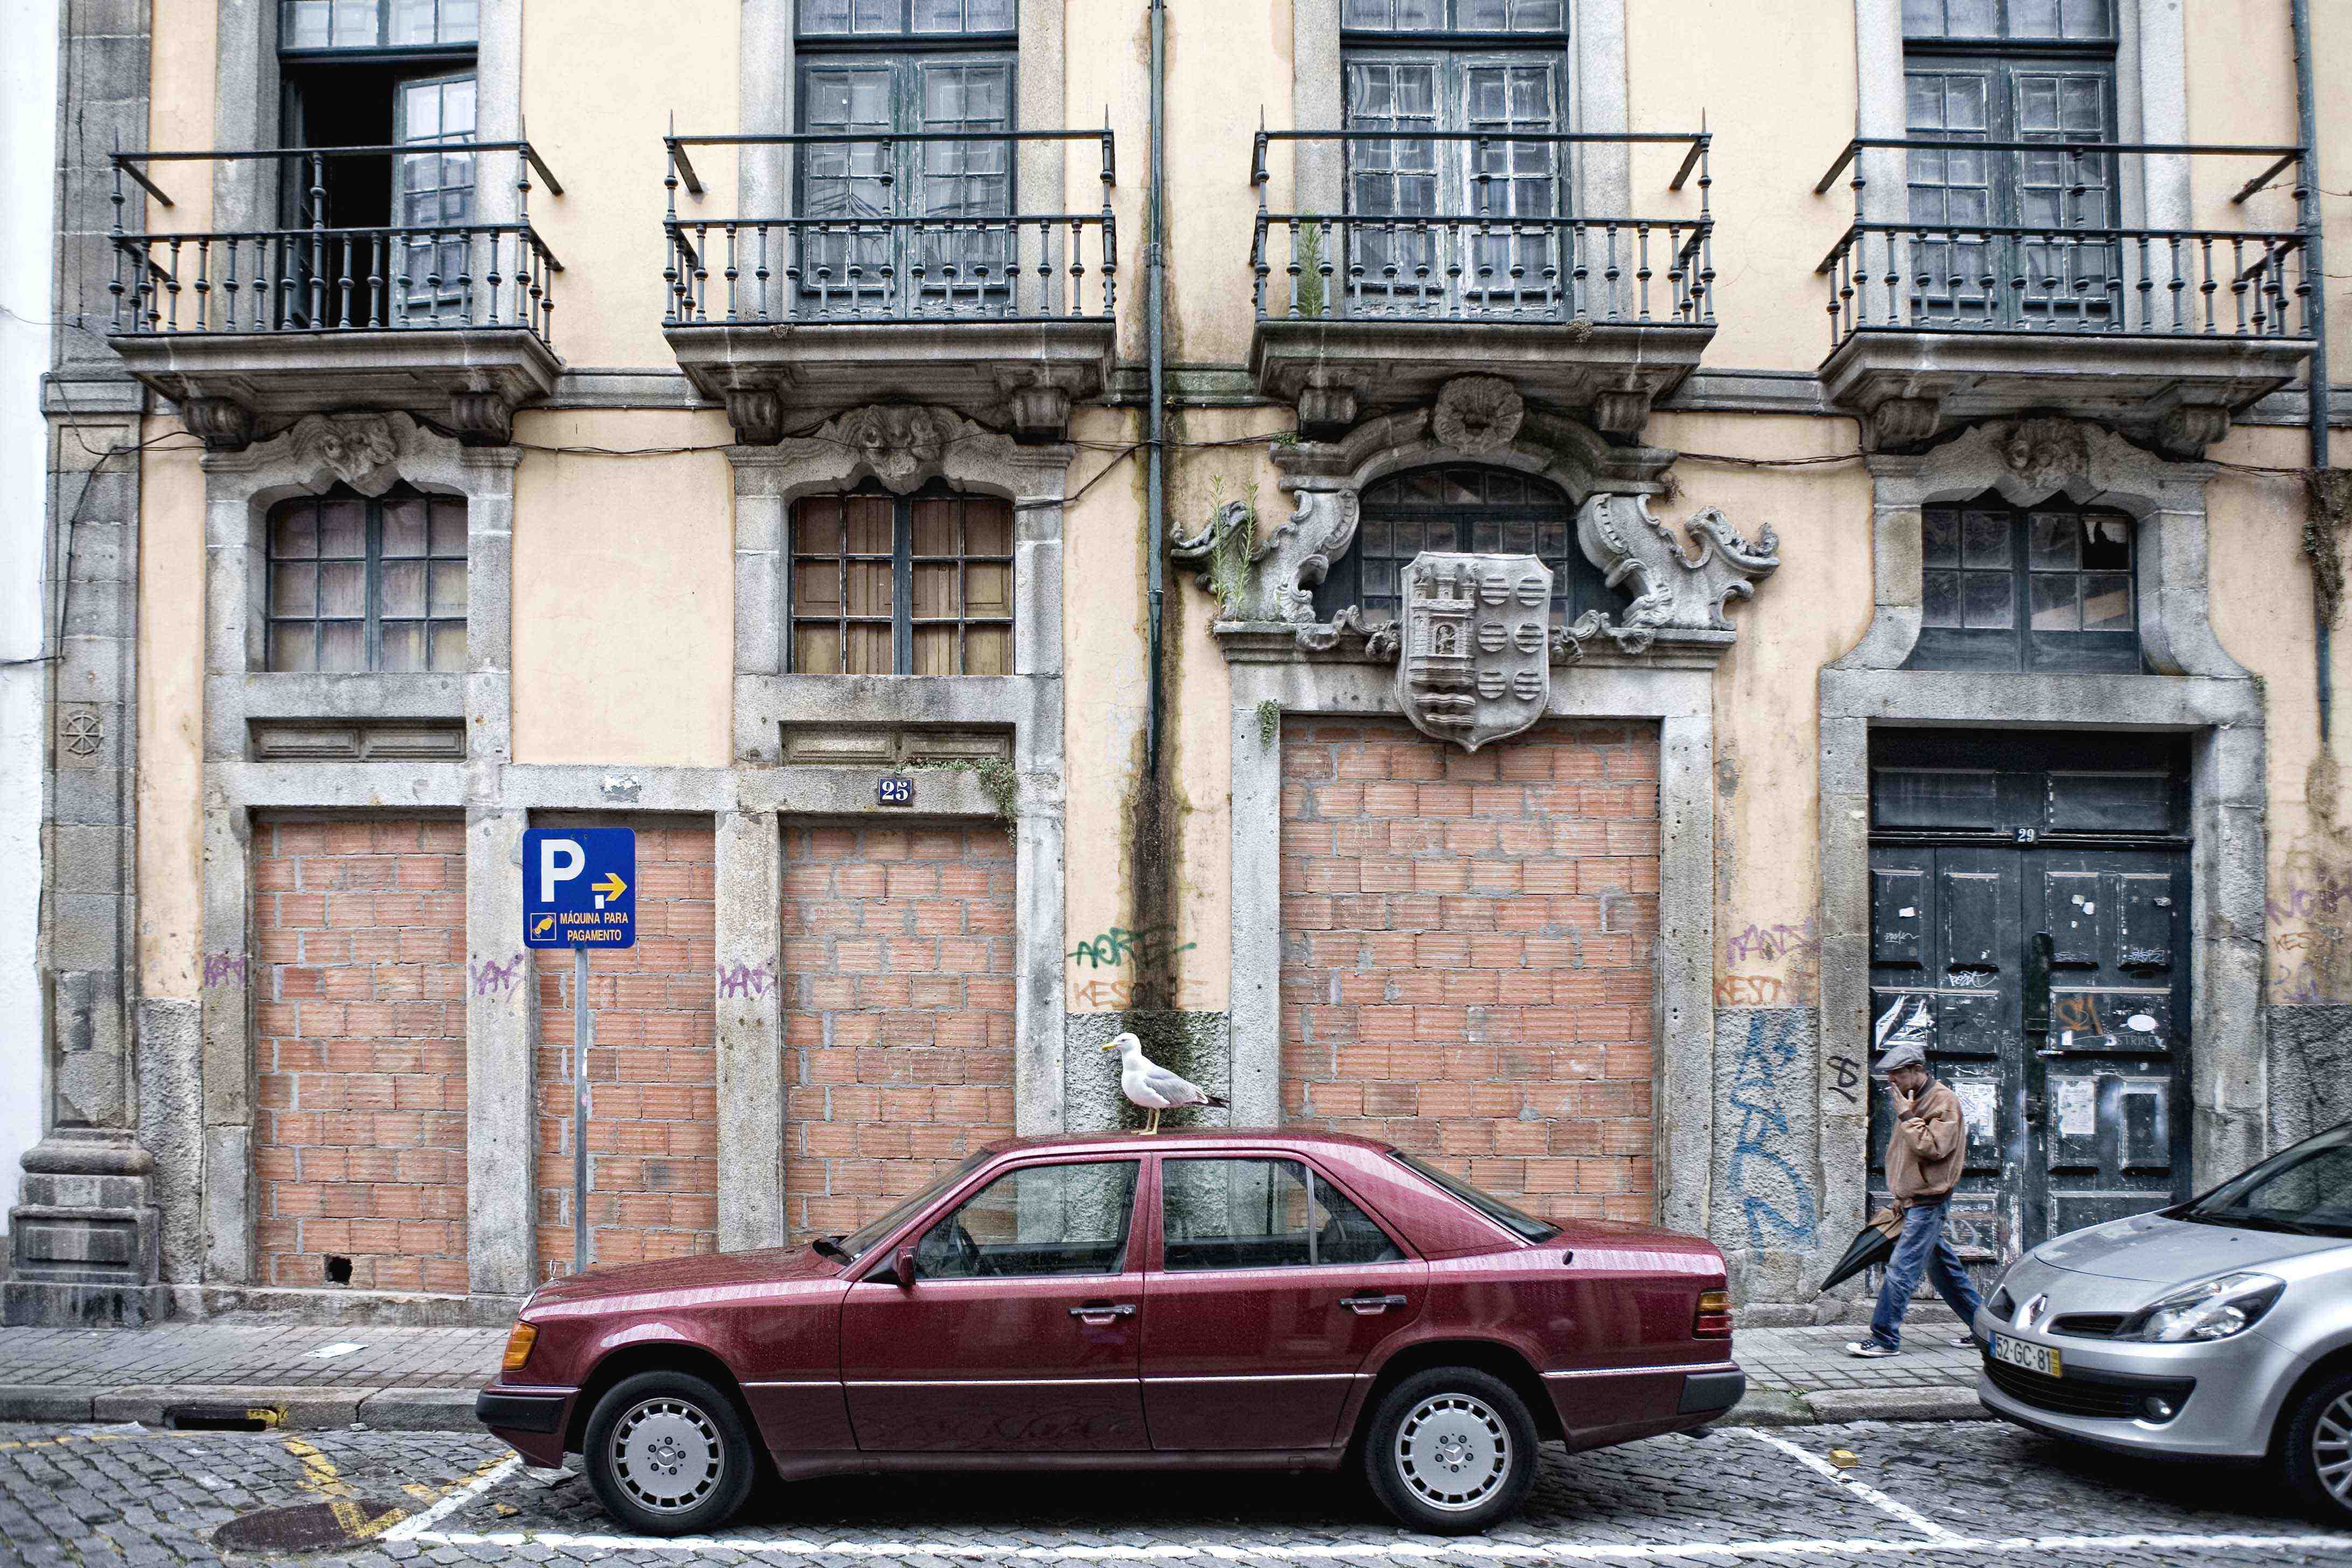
x=448, y=271
x=1524, y=253
x=2079, y=271
x=846, y=252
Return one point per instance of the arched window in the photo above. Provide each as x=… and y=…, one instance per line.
x=362, y=584
x=2046, y=587
x=1461, y=508
x=885, y=584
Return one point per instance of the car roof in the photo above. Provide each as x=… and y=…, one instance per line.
x=1290, y=1140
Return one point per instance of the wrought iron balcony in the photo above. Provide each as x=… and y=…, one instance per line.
x=2169, y=329
x=447, y=317
x=1409, y=282
x=897, y=265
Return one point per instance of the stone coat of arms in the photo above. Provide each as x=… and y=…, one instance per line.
x=1473, y=656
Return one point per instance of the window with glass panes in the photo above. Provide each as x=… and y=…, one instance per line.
x=885, y=584
x=384, y=73
x=875, y=69
x=2050, y=587
x=1489, y=510
x=367, y=584
x=2012, y=70
x=1487, y=66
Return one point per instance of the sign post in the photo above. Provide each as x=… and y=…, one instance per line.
x=580, y=891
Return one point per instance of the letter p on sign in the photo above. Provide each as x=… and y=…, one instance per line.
x=559, y=860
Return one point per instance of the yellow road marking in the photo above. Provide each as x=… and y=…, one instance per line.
x=319, y=1472
x=67, y=1437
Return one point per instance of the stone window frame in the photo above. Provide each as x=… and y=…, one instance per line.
x=904, y=446
x=1600, y=174
x=1672, y=685
x=2151, y=106
x=2196, y=690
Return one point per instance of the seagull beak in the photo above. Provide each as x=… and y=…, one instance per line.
x=1111, y=1044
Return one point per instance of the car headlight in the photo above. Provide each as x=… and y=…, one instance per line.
x=2214, y=1309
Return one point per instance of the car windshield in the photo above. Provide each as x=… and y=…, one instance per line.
x=868, y=1236
x=1493, y=1207
x=2306, y=1190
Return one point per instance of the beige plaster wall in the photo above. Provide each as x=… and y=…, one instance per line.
x=1779, y=94
x=624, y=604
x=601, y=80
x=171, y=648
x=1766, y=702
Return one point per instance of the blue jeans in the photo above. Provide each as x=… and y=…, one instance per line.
x=1921, y=1249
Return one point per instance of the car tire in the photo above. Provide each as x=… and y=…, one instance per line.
x=2319, y=1448
x=668, y=1454
x=1450, y=1451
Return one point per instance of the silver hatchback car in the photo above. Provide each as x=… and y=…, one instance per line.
x=2220, y=1328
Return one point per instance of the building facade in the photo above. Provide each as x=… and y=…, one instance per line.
x=1534, y=578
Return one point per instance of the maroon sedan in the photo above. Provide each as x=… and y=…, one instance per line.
x=1226, y=1299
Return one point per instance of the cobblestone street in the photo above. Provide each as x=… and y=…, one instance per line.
x=1943, y=1493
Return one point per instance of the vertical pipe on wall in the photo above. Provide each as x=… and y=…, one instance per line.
x=2306, y=113
x=1155, y=263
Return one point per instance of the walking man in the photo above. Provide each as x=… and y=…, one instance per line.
x=1923, y=1164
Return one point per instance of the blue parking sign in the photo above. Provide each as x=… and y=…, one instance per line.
x=579, y=887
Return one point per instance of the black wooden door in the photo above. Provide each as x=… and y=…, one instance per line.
x=2029, y=924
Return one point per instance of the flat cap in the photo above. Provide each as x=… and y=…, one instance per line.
x=1905, y=1054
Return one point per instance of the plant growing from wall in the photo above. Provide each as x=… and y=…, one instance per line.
x=1269, y=721
x=1308, y=296
x=997, y=781
x=1223, y=551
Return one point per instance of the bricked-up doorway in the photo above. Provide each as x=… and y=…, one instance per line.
x=653, y=1072
x=1466, y=952
x=360, y=1052
x=899, y=971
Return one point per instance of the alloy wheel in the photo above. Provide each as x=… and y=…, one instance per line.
x=667, y=1455
x=1452, y=1452
x=2331, y=1448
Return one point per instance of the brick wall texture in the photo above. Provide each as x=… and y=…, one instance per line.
x=360, y=1051
x=1466, y=952
x=897, y=1011
x=653, y=1141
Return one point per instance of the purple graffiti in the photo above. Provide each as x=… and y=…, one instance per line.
x=1768, y=943
x=742, y=980
x=224, y=967
x=492, y=978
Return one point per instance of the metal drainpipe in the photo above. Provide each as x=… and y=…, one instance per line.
x=2316, y=269
x=1155, y=263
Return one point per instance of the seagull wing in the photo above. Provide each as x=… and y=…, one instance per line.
x=1173, y=1089
x=1135, y=1083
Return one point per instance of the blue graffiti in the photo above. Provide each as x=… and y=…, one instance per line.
x=1772, y=1191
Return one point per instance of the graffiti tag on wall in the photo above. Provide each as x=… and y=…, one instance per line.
x=2310, y=920
x=1774, y=1197
x=1777, y=965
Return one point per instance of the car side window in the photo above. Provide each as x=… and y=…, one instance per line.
x=1035, y=1221
x=1261, y=1214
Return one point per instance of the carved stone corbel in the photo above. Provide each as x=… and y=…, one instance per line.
x=223, y=423
x=1039, y=399
x=757, y=412
x=2186, y=431
x=1680, y=581
x=1901, y=421
x=1620, y=412
x=481, y=418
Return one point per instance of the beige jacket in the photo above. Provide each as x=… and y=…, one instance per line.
x=1924, y=1156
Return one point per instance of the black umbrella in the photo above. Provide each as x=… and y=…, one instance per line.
x=1874, y=1243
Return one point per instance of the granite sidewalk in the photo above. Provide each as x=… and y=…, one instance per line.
x=314, y=1376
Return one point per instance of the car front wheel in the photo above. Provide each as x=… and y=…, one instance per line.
x=1451, y=1451
x=2319, y=1447
x=667, y=1455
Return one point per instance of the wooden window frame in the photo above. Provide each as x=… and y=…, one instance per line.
x=372, y=617
x=381, y=45
x=1342, y=585
x=903, y=36
x=903, y=560
x=2019, y=648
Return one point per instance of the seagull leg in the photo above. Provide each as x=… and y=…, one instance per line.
x=1154, y=1127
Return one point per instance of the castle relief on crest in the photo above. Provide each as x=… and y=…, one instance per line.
x=1476, y=642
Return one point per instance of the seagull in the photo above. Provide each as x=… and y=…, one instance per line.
x=1147, y=1084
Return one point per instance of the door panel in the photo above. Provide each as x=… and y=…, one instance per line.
x=1248, y=1344
x=992, y=1349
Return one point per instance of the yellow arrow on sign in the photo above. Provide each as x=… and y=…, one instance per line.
x=612, y=887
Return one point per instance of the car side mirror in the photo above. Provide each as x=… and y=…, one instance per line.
x=902, y=1269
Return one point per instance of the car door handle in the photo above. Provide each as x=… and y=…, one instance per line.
x=1102, y=1314
x=1365, y=1306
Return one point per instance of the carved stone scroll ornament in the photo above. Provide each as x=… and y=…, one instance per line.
x=1275, y=581
x=1678, y=585
x=362, y=451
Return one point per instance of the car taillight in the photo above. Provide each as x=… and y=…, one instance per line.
x=519, y=1345
x=1713, y=1319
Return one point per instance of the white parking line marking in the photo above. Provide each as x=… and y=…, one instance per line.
x=1869, y=1494
x=415, y=1526
x=1391, y=1551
